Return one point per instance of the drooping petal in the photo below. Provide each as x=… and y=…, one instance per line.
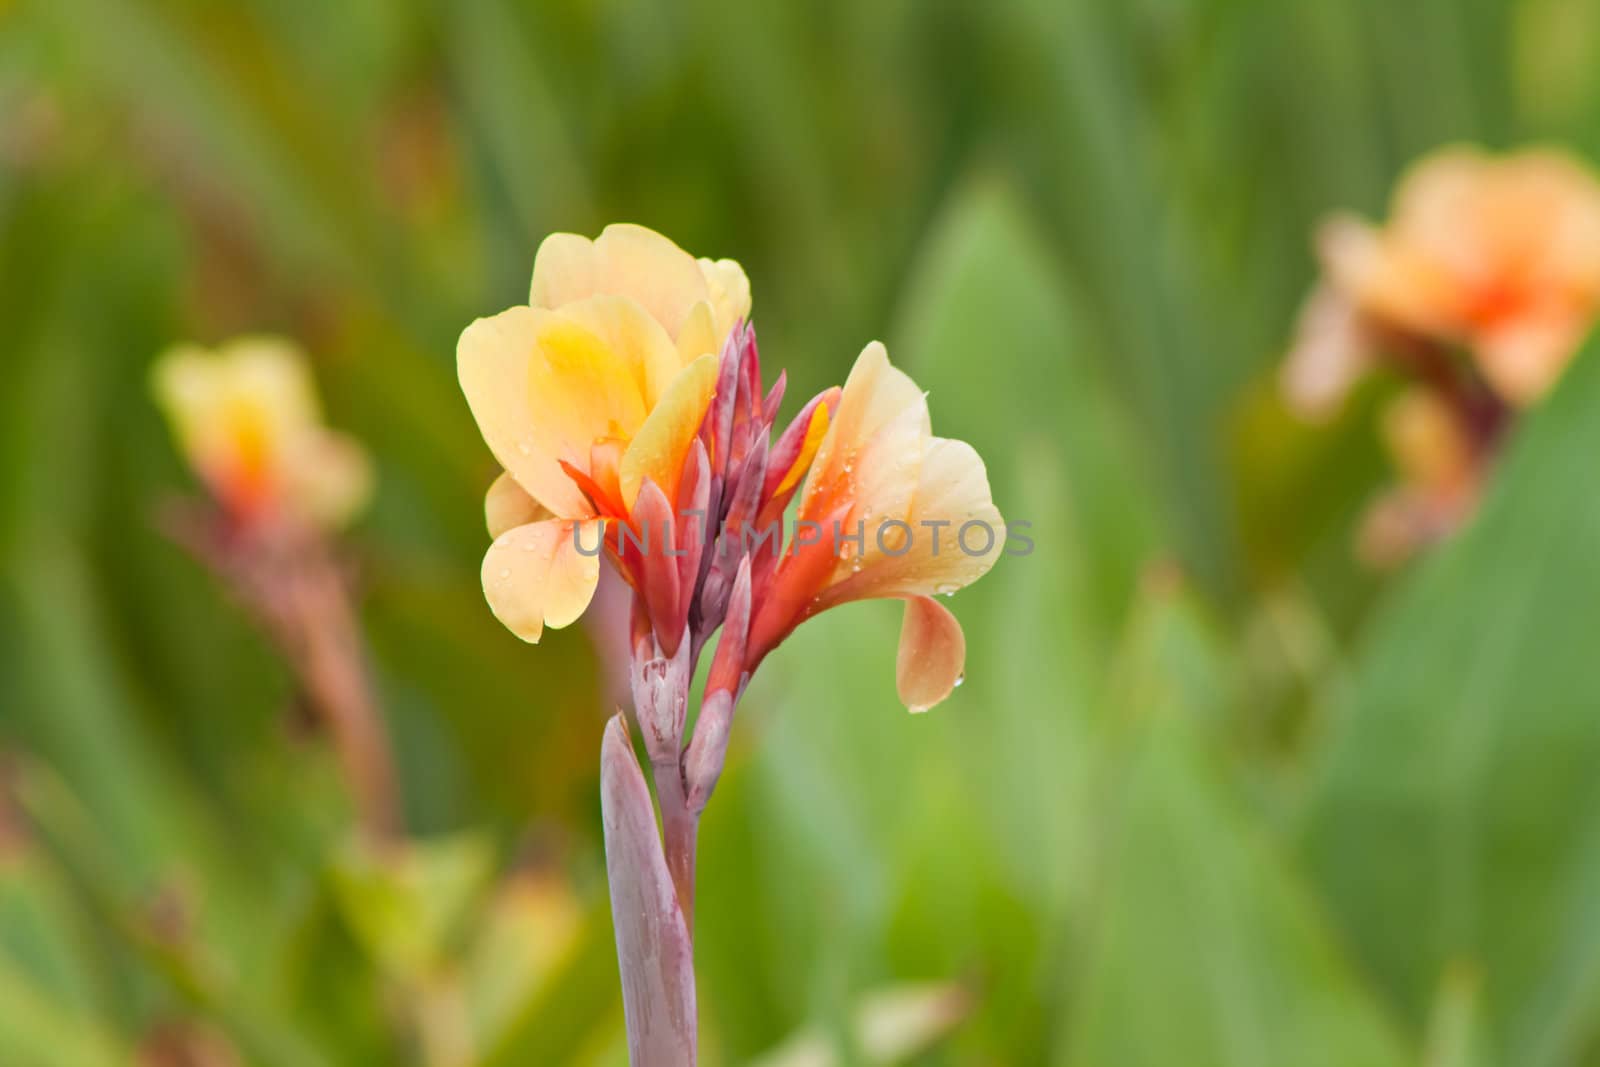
x=932, y=654
x=542, y=574
x=1523, y=357
x=493, y=359
x=507, y=505
x=658, y=449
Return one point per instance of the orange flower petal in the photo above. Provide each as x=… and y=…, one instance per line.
x=875, y=394
x=1523, y=358
x=932, y=655
x=952, y=490
x=535, y=575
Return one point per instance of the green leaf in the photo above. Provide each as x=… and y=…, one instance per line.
x=1456, y=819
x=408, y=903
x=1205, y=948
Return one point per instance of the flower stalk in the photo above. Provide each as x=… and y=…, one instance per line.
x=246, y=419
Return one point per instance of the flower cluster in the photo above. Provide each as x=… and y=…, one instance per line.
x=1478, y=292
x=626, y=403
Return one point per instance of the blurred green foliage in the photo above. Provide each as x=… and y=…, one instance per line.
x=1211, y=795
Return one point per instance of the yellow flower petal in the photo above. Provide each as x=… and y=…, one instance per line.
x=1429, y=444
x=493, y=361
x=657, y=451
x=874, y=394
x=816, y=432
x=507, y=505
x=580, y=390
x=730, y=293
x=637, y=262
x=536, y=575
x=636, y=338
x=564, y=270
x=932, y=654
x=699, y=335
x=626, y=261
x=328, y=477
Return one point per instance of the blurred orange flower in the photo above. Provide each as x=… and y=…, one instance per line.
x=1478, y=291
x=247, y=420
x=1499, y=255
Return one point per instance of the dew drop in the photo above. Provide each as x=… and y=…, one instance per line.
x=962, y=677
x=525, y=448
x=505, y=573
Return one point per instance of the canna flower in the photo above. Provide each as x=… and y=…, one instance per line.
x=1498, y=256
x=591, y=396
x=622, y=436
x=1478, y=291
x=897, y=513
x=247, y=420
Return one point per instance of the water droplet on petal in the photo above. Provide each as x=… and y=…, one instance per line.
x=962, y=677
x=505, y=573
x=525, y=448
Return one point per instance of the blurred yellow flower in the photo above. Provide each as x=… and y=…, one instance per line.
x=595, y=387
x=247, y=420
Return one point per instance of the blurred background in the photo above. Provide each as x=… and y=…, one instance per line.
x=1213, y=794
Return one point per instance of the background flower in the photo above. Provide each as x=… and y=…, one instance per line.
x=247, y=420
